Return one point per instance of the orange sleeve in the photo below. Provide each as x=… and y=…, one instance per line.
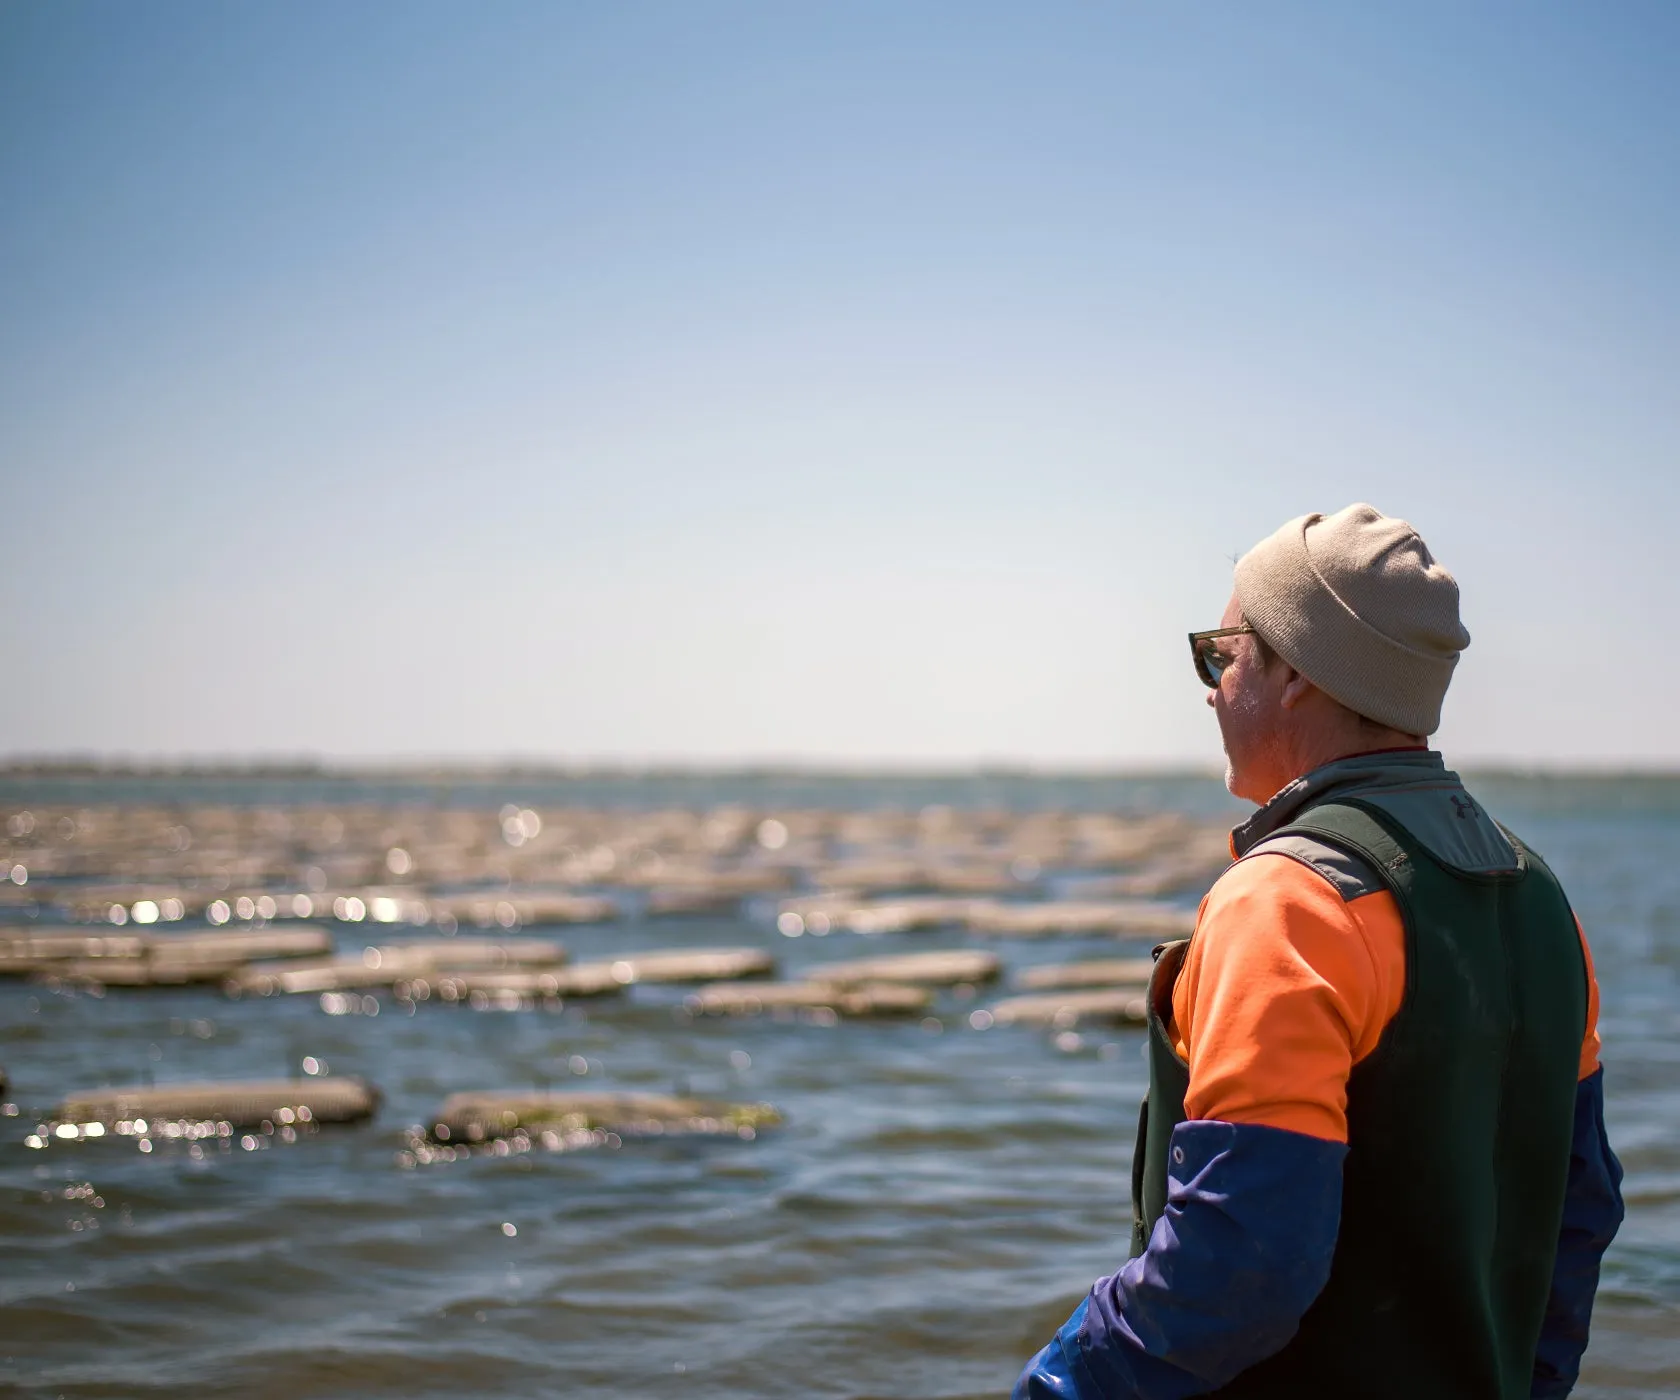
x=1590, y=1046
x=1284, y=989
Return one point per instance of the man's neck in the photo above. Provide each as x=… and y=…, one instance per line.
x=1317, y=757
x=1366, y=771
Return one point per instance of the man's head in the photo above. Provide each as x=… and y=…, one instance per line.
x=1355, y=633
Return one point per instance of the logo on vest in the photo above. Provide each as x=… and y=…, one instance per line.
x=1463, y=806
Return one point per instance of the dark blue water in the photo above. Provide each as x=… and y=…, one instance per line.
x=934, y=1205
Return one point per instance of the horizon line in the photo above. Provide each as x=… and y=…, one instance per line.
x=470, y=768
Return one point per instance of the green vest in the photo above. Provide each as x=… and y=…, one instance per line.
x=1459, y=1129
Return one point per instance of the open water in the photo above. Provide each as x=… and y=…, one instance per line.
x=935, y=1204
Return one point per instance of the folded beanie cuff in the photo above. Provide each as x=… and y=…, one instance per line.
x=1287, y=600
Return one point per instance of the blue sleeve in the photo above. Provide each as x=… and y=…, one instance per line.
x=1058, y=1372
x=1592, y=1213
x=1241, y=1251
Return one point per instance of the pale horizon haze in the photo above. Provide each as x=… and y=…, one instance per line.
x=831, y=384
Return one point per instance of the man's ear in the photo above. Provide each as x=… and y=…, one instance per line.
x=1296, y=688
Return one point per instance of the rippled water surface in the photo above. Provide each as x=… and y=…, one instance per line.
x=934, y=1205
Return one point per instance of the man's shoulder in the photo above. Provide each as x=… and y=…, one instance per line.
x=1286, y=885
x=1350, y=875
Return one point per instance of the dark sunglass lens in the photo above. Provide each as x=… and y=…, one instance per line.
x=1209, y=663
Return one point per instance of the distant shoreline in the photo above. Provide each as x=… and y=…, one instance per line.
x=473, y=771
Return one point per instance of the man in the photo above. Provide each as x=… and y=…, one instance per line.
x=1372, y=1160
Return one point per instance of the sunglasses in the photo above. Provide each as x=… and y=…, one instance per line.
x=1209, y=660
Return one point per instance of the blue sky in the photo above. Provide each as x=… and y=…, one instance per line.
x=841, y=383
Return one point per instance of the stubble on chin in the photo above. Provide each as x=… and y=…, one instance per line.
x=1240, y=717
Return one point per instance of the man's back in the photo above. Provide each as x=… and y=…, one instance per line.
x=1459, y=1116
x=1372, y=1160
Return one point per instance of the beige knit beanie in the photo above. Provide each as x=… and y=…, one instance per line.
x=1357, y=604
